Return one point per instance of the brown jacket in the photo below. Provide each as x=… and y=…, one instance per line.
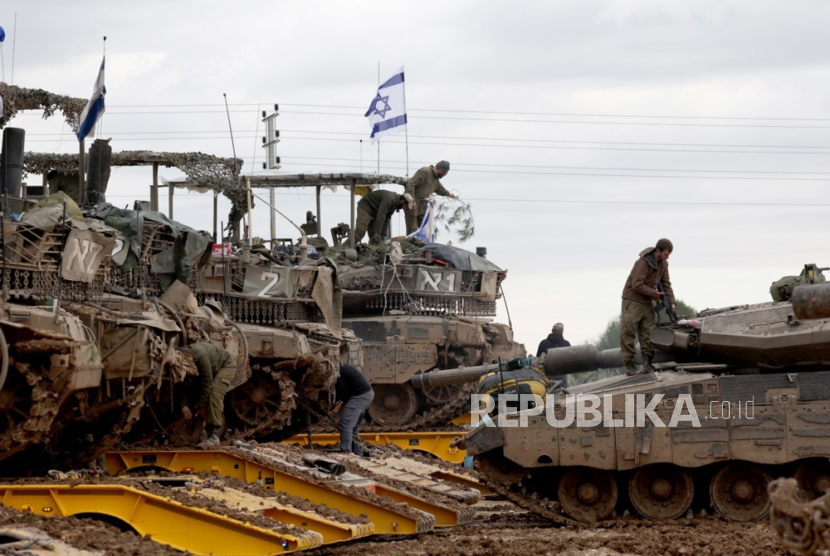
x=423, y=184
x=646, y=274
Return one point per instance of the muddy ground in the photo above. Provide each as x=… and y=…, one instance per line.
x=503, y=529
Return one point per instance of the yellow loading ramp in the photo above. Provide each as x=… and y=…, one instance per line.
x=445, y=516
x=436, y=443
x=412, y=472
x=461, y=480
x=185, y=528
x=332, y=531
x=385, y=520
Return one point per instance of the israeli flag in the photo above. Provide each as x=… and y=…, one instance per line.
x=94, y=108
x=387, y=113
x=426, y=233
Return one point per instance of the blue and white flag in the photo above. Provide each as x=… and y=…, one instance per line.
x=426, y=233
x=94, y=108
x=387, y=113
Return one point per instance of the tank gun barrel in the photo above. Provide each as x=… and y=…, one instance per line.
x=812, y=301
x=432, y=379
x=580, y=359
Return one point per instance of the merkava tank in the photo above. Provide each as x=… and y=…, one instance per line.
x=755, y=377
x=432, y=309
x=281, y=323
x=100, y=281
x=415, y=310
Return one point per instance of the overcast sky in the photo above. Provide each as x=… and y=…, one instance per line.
x=579, y=131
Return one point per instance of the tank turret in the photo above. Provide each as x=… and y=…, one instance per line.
x=424, y=310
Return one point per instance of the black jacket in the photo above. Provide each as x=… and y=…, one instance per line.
x=554, y=340
x=351, y=383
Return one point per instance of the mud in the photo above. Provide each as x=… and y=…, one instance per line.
x=190, y=498
x=505, y=530
x=88, y=534
x=287, y=500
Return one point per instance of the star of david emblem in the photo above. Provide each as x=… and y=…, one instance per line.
x=380, y=111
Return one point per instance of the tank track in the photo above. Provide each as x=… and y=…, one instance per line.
x=434, y=417
x=530, y=501
x=794, y=519
x=438, y=417
x=279, y=419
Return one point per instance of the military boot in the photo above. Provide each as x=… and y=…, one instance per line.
x=647, y=363
x=632, y=370
x=212, y=440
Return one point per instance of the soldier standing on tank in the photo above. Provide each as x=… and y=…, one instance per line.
x=651, y=269
x=374, y=212
x=356, y=394
x=424, y=183
x=217, y=369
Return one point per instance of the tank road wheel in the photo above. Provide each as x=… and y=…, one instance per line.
x=813, y=477
x=442, y=394
x=661, y=491
x=588, y=494
x=739, y=492
x=256, y=400
x=394, y=404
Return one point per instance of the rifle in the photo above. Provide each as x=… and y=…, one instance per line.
x=664, y=303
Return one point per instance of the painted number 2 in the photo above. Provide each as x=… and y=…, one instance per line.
x=274, y=279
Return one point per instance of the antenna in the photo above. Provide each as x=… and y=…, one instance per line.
x=233, y=146
x=14, y=44
x=230, y=127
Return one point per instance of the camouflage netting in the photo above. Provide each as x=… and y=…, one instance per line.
x=204, y=170
x=16, y=99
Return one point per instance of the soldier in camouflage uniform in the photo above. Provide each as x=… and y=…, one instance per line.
x=424, y=183
x=651, y=269
x=374, y=213
x=217, y=369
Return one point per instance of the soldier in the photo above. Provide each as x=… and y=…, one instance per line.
x=217, y=369
x=424, y=183
x=374, y=213
x=554, y=339
x=650, y=270
x=355, y=392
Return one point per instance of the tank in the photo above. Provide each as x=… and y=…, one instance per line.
x=431, y=309
x=282, y=322
x=755, y=377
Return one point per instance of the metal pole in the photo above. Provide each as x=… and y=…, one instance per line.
x=319, y=214
x=272, y=198
x=81, y=165
x=170, y=201
x=406, y=131
x=250, y=241
x=351, y=206
x=378, y=139
x=154, y=189
x=215, y=215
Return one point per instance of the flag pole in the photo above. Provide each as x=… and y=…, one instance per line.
x=378, y=139
x=14, y=44
x=101, y=119
x=406, y=130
